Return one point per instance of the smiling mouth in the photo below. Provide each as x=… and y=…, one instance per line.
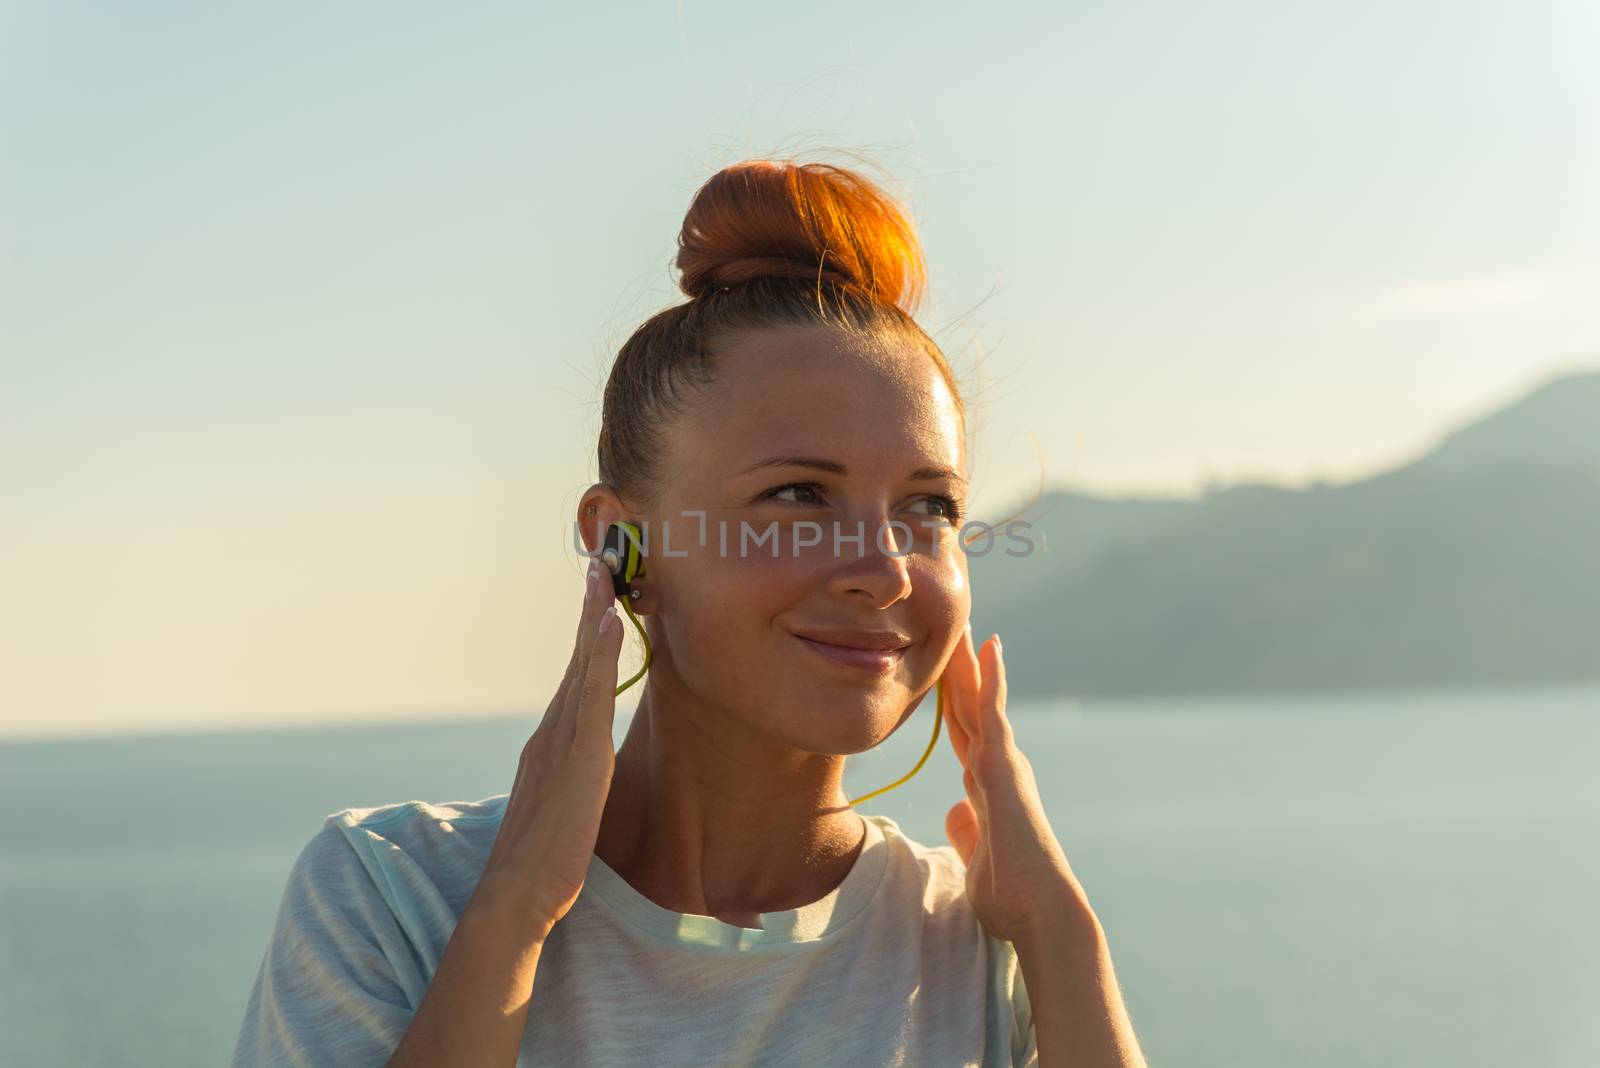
x=875, y=661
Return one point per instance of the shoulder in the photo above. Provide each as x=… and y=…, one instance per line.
x=937, y=870
x=369, y=906
x=429, y=815
x=441, y=846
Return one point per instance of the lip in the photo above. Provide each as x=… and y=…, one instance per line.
x=878, y=652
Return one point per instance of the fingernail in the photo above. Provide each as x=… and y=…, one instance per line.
x=606, y=617
x=997, y=648
x=588, y=589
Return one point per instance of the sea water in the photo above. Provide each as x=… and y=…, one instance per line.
x=1402, y=879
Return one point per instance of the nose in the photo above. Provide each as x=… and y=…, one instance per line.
x=877, y=570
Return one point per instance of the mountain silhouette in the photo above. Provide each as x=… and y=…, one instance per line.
x=1556, y=425
x=1475, y=565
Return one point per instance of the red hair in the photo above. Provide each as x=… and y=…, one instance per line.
x=764, y=245
x=762, y=219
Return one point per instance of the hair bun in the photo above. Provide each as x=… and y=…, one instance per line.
x=768, y=219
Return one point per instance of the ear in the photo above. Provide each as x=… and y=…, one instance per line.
x=598, y=508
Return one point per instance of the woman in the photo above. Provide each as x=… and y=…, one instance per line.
x=707, y=894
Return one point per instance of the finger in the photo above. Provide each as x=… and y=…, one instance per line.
x=992, y=722
x=597, y=703
x=963, y=685
x=958, y=733
x=597, y=595
x=590, y=579
x=961, y=827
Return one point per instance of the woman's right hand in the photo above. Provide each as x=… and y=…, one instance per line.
x=552, y=817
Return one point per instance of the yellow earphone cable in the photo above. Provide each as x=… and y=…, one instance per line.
x=938, y=707
x=644, y=666
x=938, y=718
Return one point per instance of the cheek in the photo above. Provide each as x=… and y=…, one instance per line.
x=944, y=603
x=757, y=587
x=728, y=604
x=942, y=581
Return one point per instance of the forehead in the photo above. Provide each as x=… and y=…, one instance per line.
x=867, y=402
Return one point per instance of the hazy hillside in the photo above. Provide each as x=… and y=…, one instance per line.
x=1478, y=564
x=1555, y=425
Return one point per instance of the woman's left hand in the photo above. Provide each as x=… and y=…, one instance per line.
x=1017, y=873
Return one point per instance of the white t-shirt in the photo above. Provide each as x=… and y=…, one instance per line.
x=891, y=968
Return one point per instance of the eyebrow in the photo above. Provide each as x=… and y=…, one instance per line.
x=920, y=474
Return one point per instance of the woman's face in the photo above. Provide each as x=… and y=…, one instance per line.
x=809, y=438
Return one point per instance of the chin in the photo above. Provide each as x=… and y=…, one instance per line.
x=841, y=723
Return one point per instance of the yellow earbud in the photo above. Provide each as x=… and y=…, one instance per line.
x=620, y=554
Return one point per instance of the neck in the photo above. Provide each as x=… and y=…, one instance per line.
x=710, y=816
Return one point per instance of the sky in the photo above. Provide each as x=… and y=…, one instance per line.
x=305, y=310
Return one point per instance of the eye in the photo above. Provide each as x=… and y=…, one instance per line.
x=949, y=509
x=946, y=507
x=800, y=487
